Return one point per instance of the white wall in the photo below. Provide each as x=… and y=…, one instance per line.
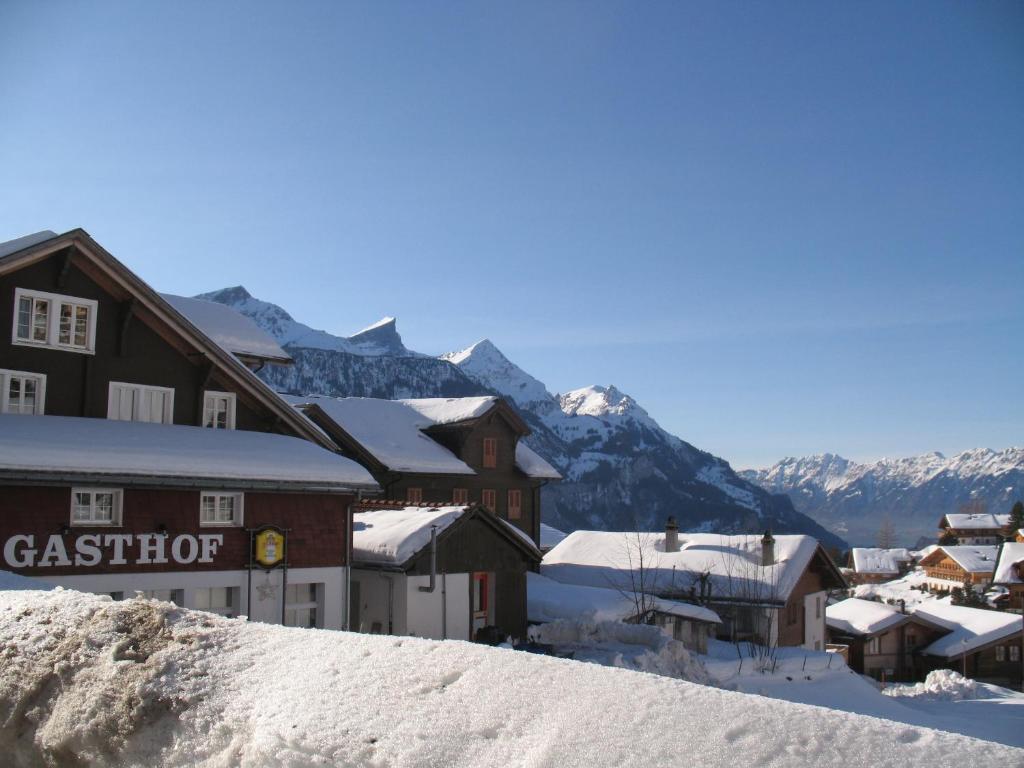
x=373, y=601
x=814, y=620
x=266, y=588
x=441, y=614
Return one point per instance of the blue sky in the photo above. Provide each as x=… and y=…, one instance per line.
x=784, y=228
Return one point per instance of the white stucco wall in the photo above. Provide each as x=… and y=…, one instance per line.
x=814, y=620
x=441, y=614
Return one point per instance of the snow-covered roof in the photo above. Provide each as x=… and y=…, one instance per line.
x=21, y=243
x=448, y=410
x=550, y=600
x=862, y=617
x=875, y=560
x=605, y=559
x=973, y=559
x=231, y=329
x=1010, y=554
x=530, y=463
x=970, y=628
x=393, y=536
x=65, y=445
x=391, y=431
x=983, y=521
x=550, y=536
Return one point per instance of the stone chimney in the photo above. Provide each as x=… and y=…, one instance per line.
x=767, y=549
x=671, y=535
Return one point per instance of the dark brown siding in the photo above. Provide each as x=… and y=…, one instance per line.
x=132, y=351
x=317, y=522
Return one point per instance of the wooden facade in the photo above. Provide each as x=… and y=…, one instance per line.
x=891, y=654
x=998, y=662
x=945, y=573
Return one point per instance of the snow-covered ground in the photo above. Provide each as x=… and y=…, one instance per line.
x=147, y=684
x=907, y=588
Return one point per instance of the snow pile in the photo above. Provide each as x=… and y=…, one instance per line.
x=639, y=647
x=85, y=680
x=940, y=685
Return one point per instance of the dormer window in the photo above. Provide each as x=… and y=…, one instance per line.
x=51, y=320
x=490, y=452
x=219, y=410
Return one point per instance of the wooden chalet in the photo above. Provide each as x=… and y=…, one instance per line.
x=767, y=589
x=883, y=641
x=976, y=528
x=439, y=572
x=1009, y=573
x=951, y=567
x=454, y=451
x=137, y=450
x=872, y=565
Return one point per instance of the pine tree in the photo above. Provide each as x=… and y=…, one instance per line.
x=886, y=534
x=1016, y=519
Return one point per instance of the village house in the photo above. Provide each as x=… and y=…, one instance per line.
x=456, y=451
x=870, y=565
x=1009, y=573
x=951, y=567
x=140, y=453
x=439, y=572
x=884, y=641
x=981, y=644
x=975, y=529
x=551, y=601
x=770, y=589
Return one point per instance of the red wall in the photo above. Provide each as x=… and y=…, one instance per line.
x=317, y=522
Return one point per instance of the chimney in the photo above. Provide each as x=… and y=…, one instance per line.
x=767, y=549
x=903, y=606
x=671, y=535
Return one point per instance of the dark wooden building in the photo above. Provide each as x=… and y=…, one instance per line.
x=439, y=572
x=441, y=451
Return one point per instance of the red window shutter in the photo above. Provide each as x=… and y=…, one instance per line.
x=490, y=452
x=460, y=496
x=515, y=505
x=414, y=495
x=489, y=499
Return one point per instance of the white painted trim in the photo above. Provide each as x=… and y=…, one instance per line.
x=117, y=517
x=5, y=375
x=232, y=400
x=239, y=498
x=53, y=321
x=140, y=390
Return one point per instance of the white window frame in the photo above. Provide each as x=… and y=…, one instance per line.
x=140, y=390
x=54, y=300
x=239, y=506
x=314, y=604
x=230, y=396
x=5, y=389
x=230, y=610
x=117, y=514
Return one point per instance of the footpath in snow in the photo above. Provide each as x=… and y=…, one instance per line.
x=142, y=683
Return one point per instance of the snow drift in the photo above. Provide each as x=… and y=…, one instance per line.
x=85, y=680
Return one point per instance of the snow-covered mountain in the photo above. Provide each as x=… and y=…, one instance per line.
x=853, y=499
x=621, y=469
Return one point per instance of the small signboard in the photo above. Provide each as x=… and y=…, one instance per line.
x=268, y=547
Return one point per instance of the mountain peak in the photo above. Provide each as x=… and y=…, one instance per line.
x=383, y=336
x=597, y=400
x=236, y=294
x=482, y=349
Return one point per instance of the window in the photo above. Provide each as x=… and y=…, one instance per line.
x=166, y=595
x=138, y=402
x=216, y=600
x=1014, y=653
x=480, y=594
x=911, y=641
x=817, y=607
x=51, y=320
x=873, y=645
x=460, y=496
x=95, y=506
x=301, y=605
x=515, y=505
x=792, y=614
x=220, y=509
x=1000, y=653
x=22, y=392
x=490, y=452
x=414, y=495
x=489, y=499
x=219, y=410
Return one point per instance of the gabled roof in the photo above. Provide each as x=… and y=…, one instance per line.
x=975, y=522
x=397, y=536
x=973, y=559
x=62, y=448
x=863, y=617
x=466, y=411
x=388, y=431
x=875, y=560
x=237, y=333
x=733, y=563
x=530, y=463
x=550, y=600
x=970, y=628
x=1010, y=555
x=156, y=307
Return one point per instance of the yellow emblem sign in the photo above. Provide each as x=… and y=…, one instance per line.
x=269, y=547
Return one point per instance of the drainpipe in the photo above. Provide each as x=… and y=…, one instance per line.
x=433, y=560
x=391, y=601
